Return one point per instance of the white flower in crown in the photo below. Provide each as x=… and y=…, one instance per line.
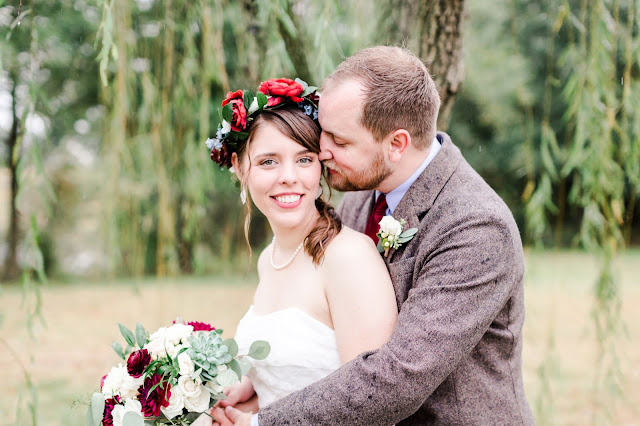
x=391, y=235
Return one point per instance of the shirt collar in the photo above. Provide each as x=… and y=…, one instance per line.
x=394, y=197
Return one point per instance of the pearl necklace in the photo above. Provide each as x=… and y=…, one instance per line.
x=288, y=262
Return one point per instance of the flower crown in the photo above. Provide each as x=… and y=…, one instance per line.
x=239, y=109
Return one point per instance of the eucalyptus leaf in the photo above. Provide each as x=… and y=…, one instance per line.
x=220, y=115
x=141, y=335
x=227, y=113
x=245, y=366
x=262, y=101
x=232, y=347
x=259, y=349
x=227, y=377
x=117, y=347
x=409, y=233
x=90, y=421
x=379, y=247
x=97, y=407
x=128, y=335
x=132, y=419
x=235, y=366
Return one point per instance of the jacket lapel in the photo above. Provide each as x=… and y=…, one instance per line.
x=424, y=191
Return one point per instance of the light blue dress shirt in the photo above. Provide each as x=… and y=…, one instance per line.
x=393, y=199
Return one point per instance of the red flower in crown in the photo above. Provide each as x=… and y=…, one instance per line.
x=239, y=120
x=281, y=89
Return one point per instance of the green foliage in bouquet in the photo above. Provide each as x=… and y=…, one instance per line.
x=171, y=376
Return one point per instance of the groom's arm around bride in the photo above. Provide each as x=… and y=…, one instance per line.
x=455, y=354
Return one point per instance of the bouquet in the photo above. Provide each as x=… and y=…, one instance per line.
x=170, y=376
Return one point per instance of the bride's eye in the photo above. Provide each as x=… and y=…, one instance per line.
x=306, y=160
x=267, y=162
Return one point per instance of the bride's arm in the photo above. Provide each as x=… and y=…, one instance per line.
x=360, y=294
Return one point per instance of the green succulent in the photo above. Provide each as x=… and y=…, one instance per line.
x=208, y=351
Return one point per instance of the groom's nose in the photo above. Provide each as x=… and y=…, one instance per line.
x=324, y=154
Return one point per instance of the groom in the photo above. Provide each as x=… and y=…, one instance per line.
x=455, y=355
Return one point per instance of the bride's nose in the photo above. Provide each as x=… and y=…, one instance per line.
x=288, y=173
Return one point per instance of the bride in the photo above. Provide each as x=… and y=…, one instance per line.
x=324, y=294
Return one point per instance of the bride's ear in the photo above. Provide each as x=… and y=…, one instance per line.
x=235, y=163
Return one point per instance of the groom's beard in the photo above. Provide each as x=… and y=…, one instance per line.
x=358, y=180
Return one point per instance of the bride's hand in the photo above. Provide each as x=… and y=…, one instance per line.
x=240, y=392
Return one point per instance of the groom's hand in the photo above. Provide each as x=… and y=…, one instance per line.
x=238, y=417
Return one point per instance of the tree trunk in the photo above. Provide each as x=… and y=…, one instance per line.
x=436, y=27
x=11, y=270
x=295, y=46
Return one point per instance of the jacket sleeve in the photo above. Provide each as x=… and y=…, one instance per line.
x=459, y=285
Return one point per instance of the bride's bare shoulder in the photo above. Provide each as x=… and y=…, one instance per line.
x=350, y=246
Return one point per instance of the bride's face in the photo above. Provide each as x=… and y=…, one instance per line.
x=282, y=177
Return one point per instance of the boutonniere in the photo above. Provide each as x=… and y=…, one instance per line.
x=391, y=235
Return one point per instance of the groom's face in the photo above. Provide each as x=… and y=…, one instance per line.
x=353, y=158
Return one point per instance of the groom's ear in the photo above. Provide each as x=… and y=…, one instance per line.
x=399, y=142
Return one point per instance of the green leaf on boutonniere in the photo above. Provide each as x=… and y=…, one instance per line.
x=407, y=235
x=379, y=247
x=128, y=335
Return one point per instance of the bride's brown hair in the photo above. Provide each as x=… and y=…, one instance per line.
x=296, y=125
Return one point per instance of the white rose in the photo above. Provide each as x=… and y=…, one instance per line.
x=130, y=385
x=176, y=403
x=178, y=332
x=190, y=387
x=198, y=403
x=114, y=380
x=187, y=367
x=390, y=226
x=226, y=127
x=119, y=411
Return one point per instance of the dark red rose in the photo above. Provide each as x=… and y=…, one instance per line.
x=107, y=417
x=137, y=362
x=201, y=326
x=159, y=397
x=221, y=155
x=239, y=119
x=281, y=89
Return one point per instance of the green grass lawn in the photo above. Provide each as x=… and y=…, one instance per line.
x=71, y=351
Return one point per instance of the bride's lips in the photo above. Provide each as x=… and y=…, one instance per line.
x=287, y=200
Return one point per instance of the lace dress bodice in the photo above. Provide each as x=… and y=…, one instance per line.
x=303, y=351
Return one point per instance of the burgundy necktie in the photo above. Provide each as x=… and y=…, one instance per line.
x=373, y=224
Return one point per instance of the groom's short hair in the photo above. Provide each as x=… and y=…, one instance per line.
x=400, y=93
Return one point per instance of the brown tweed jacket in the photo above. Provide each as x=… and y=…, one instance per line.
x=454, y=357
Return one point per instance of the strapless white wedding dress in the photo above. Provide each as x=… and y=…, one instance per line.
x=303, y=351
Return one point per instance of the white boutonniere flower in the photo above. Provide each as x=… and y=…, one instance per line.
x=391, y=235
